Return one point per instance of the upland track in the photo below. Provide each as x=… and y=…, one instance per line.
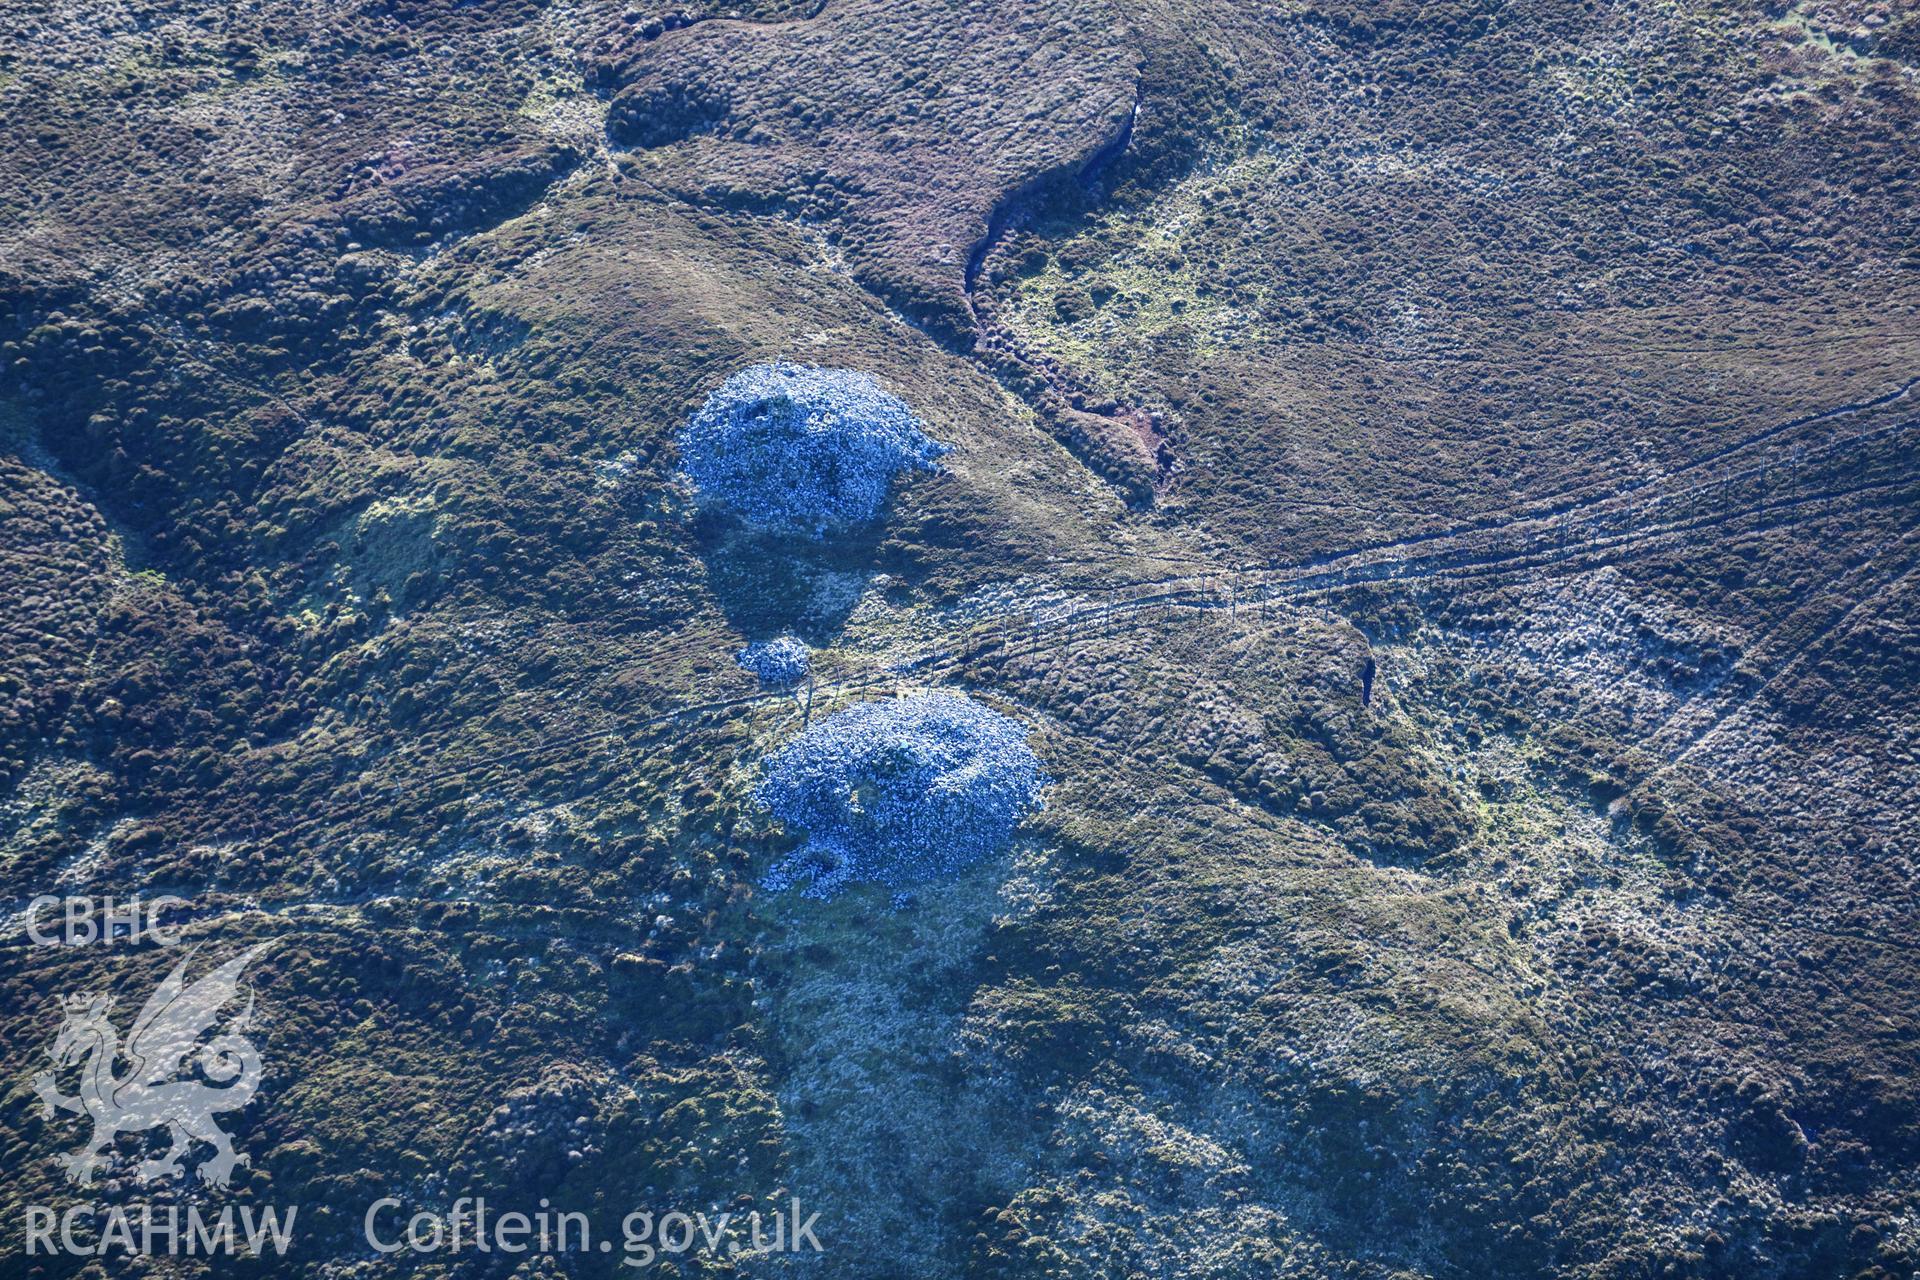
x=1013, y=633
x=1435, y=480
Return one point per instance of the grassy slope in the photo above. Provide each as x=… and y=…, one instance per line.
x=345, y=360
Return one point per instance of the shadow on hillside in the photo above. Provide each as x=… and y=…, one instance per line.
x=770, y=585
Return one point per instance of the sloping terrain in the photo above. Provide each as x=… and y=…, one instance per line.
x=1438, y=481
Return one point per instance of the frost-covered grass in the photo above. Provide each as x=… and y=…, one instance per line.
x=898, y=792
x=797, y=449
x=779, y=663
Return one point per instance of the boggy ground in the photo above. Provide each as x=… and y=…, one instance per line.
x=1438, y=479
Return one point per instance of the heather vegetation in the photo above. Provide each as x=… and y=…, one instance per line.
x=1435, y=481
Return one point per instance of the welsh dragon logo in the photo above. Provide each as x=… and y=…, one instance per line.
x=158, y=1088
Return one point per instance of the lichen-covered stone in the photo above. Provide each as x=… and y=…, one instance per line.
x=779, y=664
x=898, y=792
x=797, y=449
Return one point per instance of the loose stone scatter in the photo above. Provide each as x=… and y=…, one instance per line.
x=901, y=791
x=796, y=449
x=780, y=664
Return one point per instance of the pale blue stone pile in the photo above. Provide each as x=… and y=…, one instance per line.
x=899, y=792
x=800, y=450
x=780, y=664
